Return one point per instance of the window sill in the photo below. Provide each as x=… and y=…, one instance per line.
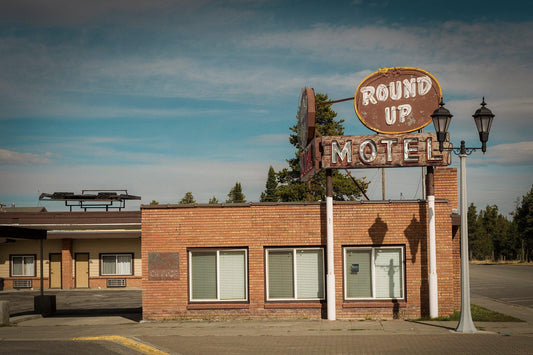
x=373, y=304
x=218, y=306
x=293, y=304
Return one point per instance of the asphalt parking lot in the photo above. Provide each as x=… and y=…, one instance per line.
x=80, y=302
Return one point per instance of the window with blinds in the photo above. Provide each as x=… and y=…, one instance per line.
x=295, y=274
x=373, y=273
x=116, y=264
x=218, y=275
x=23, y=265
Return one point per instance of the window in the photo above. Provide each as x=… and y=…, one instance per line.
x=116, y=264
x=23, y=265
x=218, y=275
x=295, y=274
x=373, y=273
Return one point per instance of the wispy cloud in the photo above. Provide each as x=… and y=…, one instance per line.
x=516, y=154
x=11, y=157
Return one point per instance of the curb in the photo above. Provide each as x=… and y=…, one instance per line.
x=20, y=319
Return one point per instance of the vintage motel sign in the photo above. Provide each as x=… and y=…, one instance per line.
x=397, y=100
x=310, y=156
x=382, y=151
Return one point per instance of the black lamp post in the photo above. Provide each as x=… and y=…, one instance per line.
x=441, y=120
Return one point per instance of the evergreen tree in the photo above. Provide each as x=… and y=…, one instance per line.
x=523, y=224
x=213, y=200
x=235, y=195
x=187, y=199
x=270, y=195
x=473, y=232
x=154, y=203
x=291, y=188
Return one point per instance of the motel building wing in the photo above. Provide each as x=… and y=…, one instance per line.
x=269, y=259
x=81, y=249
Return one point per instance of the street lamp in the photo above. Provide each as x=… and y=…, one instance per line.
x=441, y=120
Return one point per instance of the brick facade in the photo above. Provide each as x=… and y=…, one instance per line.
x=255, y=227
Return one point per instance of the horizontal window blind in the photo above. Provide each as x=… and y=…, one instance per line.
x=309, y=274
x=358, y=282
x=203, y=275
x=280, y=274
x=388, y=273
x=232, y=275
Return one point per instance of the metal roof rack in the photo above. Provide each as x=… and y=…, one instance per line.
x=92, y=199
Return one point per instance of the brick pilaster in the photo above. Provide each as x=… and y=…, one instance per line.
x=67, y=264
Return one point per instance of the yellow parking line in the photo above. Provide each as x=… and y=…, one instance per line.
x=145, y=349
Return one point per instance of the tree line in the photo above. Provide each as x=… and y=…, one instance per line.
x=491, y=236
x=234, y=196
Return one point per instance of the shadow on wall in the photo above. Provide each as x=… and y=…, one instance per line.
x=378, y=230
x=416, y=234
x=413, y=235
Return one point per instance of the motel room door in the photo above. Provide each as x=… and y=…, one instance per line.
x=55, y=271
x=82, y=270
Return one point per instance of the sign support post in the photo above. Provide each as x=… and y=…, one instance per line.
x=331, y=303
x=433, y=280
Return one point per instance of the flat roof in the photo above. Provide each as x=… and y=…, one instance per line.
x=76, y=225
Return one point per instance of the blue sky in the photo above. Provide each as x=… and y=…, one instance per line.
x=164, y=97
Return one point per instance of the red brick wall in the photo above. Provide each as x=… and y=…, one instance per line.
x=67, y=264
x=446, y=185
x=256, y=226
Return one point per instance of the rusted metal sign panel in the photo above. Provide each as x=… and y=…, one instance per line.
x=383, y=151
x=397, y=100
x=163, y=266
x=306, y=117
x=310, y=160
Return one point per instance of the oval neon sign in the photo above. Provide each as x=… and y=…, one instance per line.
x=397, y=100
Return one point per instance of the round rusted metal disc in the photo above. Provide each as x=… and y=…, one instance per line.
x=306, y=117
x=397, y=100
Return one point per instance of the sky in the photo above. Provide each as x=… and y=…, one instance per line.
x=165, y=97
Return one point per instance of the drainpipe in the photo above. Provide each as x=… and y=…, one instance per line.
x=433, y=283
x=330, y=245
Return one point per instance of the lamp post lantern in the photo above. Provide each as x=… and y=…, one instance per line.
x=483, y=120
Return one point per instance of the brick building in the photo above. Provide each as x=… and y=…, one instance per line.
x=269, y=259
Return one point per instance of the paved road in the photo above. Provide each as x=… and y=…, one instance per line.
x=512, y=284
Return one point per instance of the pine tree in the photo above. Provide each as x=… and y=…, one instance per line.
x=291, y=188
x=523, y=224
x=213, y=200
x=187, y=199
x=269, y=195
x=235, y=195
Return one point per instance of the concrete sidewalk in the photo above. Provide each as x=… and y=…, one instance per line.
x=282, y=336
x=267, y=336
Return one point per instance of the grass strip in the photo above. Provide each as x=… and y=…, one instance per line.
x=479, y=314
